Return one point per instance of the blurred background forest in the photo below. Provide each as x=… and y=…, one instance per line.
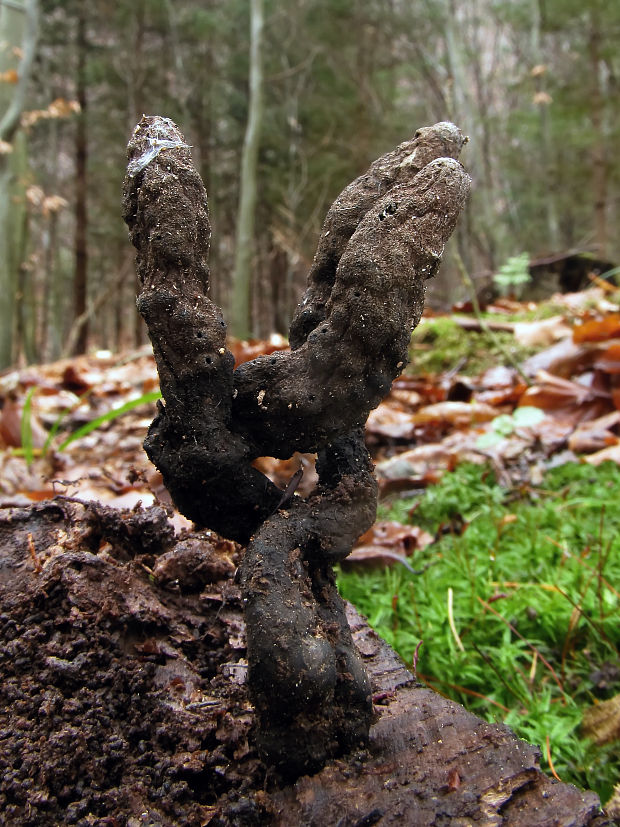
x=534, y=83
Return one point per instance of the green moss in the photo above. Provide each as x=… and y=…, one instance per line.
x=440, y=344
x=547, y=560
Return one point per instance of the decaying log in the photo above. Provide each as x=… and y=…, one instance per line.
x=123, y=700
x=382, y=240
x=430, y=762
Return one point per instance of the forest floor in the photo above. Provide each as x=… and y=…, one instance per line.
x=123, y=671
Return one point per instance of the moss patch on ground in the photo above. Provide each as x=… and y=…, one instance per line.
x=516, y=605
x=440, y=344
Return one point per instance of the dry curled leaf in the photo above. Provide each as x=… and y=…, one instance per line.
x=574, y=401
x=387, y=541
x=541, y=332
x=455, y=413
x=612, y=808
x=601, y=722
x=598, y=330
x=595, y=435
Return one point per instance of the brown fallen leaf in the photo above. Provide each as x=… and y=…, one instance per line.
x=81, y=376
x=508, y=395
x=455, y=413
x=407, y=399
x=245, y=351
x=565, y=358
x=601, y=722
x=574, y=401
x=426, y=387
x=541, y=332
x=585, y=299
x=281, y=471
x=388, y=542
x=416, y=462
x=595, y=435
x=609, y=359
x=609, y=454
x=598, y=330
x=499, y=376
x=390, y=423
x=11, y=424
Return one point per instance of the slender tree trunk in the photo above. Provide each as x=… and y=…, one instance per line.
x=241, y=324
x=547, y=155
x=135, y=88
x=49, y=267
x=24, y=346
x=465, y=109
x=17, y=26
x=80, y=283
x=599, y=159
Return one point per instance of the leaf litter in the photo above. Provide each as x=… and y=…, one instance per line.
x=428, y=423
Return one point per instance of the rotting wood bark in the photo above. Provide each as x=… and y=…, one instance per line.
x=123, y=700
x=382, y=240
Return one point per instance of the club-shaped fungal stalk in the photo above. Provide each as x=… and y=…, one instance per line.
x=382, y=239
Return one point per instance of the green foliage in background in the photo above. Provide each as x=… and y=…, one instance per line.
x=505, y=425
x=534, y=575
x=344, y=82
x=513, y=275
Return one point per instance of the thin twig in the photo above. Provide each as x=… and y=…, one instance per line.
x=33, y=553
x=550, y=762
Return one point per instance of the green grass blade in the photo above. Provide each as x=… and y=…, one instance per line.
x=60, y=419
x=111, y=415
x=26, y=428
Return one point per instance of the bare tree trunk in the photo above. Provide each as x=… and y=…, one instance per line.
x=241, y=324
x=24, y=345
x=49, y=255
x=548, y=156
x=599, y=159
x=17, y=25
x=80, y=284
x=464, y=108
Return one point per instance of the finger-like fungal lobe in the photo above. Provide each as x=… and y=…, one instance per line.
x=382, y=239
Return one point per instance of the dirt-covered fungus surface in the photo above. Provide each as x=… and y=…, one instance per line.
x=123, y=699
x=382, y=240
